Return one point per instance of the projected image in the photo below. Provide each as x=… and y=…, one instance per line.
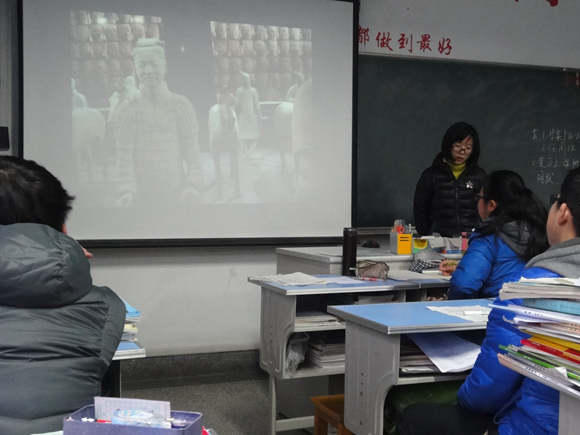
x=137, y=142
x=222, y=119
x=130, y=131
x=258, y=71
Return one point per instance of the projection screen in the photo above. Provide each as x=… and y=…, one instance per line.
x=193, y=120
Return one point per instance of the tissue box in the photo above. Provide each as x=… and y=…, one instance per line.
x=73, y=425
x=401, y=244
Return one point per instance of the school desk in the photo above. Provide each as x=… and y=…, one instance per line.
x=373, y=335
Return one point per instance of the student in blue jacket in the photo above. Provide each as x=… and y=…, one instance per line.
x=494, y=399
x=513, y=231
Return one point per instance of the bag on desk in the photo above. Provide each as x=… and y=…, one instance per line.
x=426, y=259
x=371, y=269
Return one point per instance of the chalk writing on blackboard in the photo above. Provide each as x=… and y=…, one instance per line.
x=557, y=152
x=572, y=80
x=406, y=41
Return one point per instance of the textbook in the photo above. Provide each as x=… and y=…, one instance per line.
x=559, y=305
x=539, y=314
x=553, y=349
x=541, y=288
x=551, y=334
x=132, y=315
x=541, y=374
x=554, y=359
x=555, y=340
x=129, y=350
x=537, y=361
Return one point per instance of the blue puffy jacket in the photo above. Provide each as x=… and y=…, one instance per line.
x=521, y=406
x=486, y=265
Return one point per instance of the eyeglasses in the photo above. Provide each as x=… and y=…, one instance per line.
x=458, y=147
x=553, y=199
x=478, y=197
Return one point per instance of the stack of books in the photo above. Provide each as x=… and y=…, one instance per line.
x=326, y=349
x=128, y=348
x=413, y=360
x=311, y=318
x=550, y=313
x=541, y=288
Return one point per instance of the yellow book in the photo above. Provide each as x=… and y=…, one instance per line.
x=129, y=327
x=556, y=343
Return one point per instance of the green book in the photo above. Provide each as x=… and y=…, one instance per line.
x=519, y=353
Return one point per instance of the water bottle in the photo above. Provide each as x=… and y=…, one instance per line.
x=349, y=251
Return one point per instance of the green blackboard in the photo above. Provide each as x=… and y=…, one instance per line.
x=528, y=121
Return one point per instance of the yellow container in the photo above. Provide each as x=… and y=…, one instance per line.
x=420, y=244
x=401, y=244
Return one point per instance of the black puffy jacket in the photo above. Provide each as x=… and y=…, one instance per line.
x=58, y=332
x=444, y=204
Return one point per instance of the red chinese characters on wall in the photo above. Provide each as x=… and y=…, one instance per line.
x=425, y=43
x=405, y=42
x=445, y=46
x=384, y=41
x=363, y=35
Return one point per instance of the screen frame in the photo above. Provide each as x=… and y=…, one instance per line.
x=190, y=242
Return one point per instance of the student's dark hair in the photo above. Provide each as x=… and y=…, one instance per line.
x=516, y=203
x=457, y=133
x=570, y=194
x=31, y=194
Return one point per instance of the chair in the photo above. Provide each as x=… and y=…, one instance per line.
x=329, y=410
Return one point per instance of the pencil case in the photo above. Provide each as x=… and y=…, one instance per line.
x=74, y=425
x=371, y=269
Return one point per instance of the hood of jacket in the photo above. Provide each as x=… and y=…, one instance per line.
x=41, y=267
x=563, y=259
x=516, y=237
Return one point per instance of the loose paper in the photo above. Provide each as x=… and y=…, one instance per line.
x=448, y=352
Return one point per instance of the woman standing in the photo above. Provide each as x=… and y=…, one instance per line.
x=444, y=197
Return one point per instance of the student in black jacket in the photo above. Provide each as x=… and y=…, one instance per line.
x=59, y=332
x=445, y=194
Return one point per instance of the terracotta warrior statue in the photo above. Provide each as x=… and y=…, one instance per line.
x=157, y=147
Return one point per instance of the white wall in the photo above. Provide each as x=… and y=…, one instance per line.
x=192, y=300
x=527, y=32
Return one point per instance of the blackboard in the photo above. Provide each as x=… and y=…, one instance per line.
x=528, y=121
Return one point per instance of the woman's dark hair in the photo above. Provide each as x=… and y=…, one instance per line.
x=516, y=203
x=31, y=194
x=457, y=133
x=570, y=195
